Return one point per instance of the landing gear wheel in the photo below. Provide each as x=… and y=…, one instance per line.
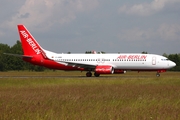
x=157, y=75
x=88, y=74
x=96, y=74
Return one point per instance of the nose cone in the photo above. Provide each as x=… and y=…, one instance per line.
x=172, y=64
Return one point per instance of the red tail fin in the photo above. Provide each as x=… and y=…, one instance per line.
x=29, y=45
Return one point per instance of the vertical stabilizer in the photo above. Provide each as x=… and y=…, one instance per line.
x=29, y=45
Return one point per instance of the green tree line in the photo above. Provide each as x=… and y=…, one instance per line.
x=8, y=63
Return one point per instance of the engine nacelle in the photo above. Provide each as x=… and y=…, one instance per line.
x=104, y=69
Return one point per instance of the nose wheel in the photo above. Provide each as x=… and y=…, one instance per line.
x=157, y=74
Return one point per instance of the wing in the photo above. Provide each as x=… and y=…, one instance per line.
x=79, y=65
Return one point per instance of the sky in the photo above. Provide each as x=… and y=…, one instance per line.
x=76, y=26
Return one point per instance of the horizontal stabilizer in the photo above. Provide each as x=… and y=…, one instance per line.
x=17, y=55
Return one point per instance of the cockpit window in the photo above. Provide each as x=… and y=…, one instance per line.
x=165, y=59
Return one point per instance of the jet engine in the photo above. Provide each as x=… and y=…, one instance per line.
x=104, y=69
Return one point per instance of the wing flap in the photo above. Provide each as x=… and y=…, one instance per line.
x=79, y=65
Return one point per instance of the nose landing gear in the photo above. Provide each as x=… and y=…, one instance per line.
x=158, y=74
x=160, y=71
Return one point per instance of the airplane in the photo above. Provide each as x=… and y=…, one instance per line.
x=97, y=63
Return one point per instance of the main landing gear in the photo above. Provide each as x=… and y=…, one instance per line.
x=96, y=74
x=89, y=74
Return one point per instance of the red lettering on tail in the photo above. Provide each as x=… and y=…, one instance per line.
x=29, y=44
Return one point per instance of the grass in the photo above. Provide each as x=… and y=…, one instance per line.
x=54, y=96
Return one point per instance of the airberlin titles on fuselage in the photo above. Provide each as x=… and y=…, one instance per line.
x=132, y=57
x=31, y=42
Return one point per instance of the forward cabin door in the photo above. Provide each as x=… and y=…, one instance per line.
x=153, y=60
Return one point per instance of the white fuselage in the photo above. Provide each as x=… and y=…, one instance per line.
x=117, y=61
